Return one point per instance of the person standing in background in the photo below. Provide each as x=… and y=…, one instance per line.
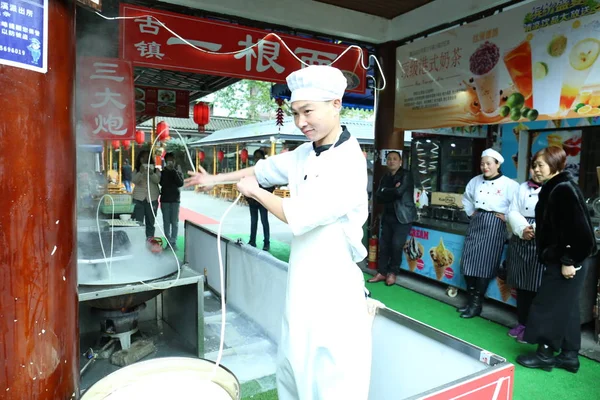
x=524, y=271
x=486, y=201
x=146, y=191
x=396, y=193
x=256, y=208
x=564, y=238
x=171, y=179
x=126, y=175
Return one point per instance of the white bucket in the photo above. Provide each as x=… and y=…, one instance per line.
x=167, y=378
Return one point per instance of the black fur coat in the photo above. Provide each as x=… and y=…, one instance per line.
x=564, y=231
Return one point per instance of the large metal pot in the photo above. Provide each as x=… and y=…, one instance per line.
x=168, y=377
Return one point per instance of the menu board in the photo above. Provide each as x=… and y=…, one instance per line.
x=155, y=102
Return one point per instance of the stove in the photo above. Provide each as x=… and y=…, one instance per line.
x=119, y=324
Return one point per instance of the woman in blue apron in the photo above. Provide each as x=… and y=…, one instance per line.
x=486, y=201
x=524, y=271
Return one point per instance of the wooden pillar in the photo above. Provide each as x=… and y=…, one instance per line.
x=237, y=157
x=197, y=159
x=132, y=163
x=39, y=343
x=386, y=136
x=214, y=160
x=120, y=162
x=153, y=132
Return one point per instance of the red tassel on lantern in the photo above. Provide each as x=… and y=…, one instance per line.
x=201, y=156
x=220, y=155
x=140, y=137
x=116, y=144
x=162, y=129
x=201, y=115
x=244, y=155
x=126, y=144
x=280, y=113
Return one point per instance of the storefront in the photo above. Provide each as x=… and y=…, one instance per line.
x=504, y=87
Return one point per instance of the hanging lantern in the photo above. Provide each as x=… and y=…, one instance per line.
x=244, y=155
x=116, y=144
x=201, y=156
x=126, y=144
x=201, y=115
x=220, y=155
x=140, y=137
x=162, y=129
x=280, y=114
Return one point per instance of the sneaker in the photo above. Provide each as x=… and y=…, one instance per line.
x=521, y=336
x=516, y=331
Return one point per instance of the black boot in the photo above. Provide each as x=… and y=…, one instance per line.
x=568, y=360
x=474, y=308
x=470, y=292
x=543, y=358
x=471, y=282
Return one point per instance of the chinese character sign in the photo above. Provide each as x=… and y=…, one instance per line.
x=145, y=42
x=535, y=62
x=107, y=98
x=24, y=33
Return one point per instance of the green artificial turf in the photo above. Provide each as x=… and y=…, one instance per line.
x=528, y=385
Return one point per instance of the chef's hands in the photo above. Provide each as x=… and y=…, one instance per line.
x=568, y=271
x=528, y=233
x=501, y=216
x=248, y=186
x=200, y=178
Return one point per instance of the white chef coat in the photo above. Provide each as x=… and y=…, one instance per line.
x=325, y=347
x=490, y=195
x=522, y=206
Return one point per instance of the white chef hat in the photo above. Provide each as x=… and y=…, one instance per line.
x=317, y=83
x=494, y=154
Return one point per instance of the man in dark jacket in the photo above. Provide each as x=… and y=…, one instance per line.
x=396, y=193
x=171, y=180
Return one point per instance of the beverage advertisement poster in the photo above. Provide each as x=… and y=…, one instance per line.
x=534, y=62
x=570, y=141
x=437, y=255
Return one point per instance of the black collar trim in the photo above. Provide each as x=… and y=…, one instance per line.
x=343, y=138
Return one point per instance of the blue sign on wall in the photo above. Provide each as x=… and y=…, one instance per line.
x=24, y=34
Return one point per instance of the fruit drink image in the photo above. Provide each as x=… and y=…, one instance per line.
x=548, y=62
x=583, y=50
x=483, y=64
x=518, y=64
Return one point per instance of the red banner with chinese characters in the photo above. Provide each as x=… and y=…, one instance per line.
x=106, y=98
x=155, y=102
x=146, y=43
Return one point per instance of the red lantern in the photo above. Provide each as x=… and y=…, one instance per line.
x=126, y=144
x=140, y=137
x=220, y=155
x=162, y=129
x=116, y=144
x=201, y=115
x=244, y=155
x=201, y=156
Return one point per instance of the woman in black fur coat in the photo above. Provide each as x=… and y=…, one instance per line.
x=564, y=238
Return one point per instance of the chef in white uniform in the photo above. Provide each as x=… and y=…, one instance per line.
x=524, y=270
x=486, y=201
x=325, y=348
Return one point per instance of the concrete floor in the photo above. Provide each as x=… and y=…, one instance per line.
x=238, y=222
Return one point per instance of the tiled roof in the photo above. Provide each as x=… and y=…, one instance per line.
x=360, y=129
x=188, y=126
